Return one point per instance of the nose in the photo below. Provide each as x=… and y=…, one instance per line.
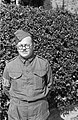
x=24, y=48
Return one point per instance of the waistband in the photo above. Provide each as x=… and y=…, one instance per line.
x=40, y=99
x=20, y=100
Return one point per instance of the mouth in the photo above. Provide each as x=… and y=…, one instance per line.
x=25, y=52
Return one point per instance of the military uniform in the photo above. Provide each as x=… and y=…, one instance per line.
x=30, y=82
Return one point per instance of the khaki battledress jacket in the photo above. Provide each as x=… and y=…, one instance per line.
x=30, y=82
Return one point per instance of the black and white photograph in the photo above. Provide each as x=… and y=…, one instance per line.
x=39, y=59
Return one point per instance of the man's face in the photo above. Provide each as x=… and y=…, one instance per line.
x=25, y=47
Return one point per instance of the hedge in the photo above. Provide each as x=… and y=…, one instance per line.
x=55, y=34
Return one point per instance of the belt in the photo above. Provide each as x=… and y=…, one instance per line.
x=34, y=100
x=30, y=101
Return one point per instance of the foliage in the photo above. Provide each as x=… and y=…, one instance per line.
x=55, y=34
x=35, y=3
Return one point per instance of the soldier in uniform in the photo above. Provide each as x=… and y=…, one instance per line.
x=30, y=80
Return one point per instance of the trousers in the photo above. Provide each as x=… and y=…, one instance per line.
x=21, y=110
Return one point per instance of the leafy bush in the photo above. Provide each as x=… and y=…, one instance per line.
x=55, y=34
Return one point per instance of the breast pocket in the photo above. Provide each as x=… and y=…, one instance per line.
x=15, y=75
x=16, y=81
x=39, y=77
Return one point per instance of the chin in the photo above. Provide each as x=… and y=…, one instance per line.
x=24, y=56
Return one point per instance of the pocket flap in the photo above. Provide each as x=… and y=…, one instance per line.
x=15, y=75
x=40, y=72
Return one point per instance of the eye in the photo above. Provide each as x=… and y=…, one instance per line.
x=27, y=46
x=20, y=47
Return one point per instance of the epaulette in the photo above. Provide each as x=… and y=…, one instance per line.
x=7, y=61
x=41, y=58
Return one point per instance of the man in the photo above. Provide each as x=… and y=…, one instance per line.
x=30, y=80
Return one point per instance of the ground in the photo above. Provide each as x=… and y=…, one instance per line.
x=56, y=115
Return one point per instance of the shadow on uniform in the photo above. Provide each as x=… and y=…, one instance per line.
x=54, y=115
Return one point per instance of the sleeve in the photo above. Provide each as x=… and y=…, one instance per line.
x=49, y=78
x=6, y=81
x=49, y=85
